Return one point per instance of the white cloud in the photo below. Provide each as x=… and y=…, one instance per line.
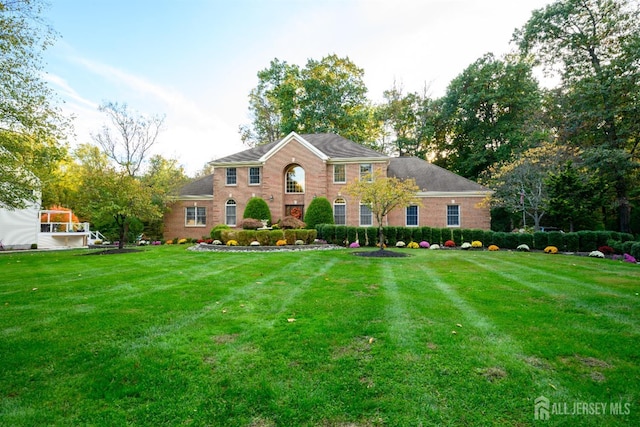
x=193, y=134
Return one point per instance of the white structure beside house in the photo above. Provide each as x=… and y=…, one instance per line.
x=19, y=228
x=48, y=229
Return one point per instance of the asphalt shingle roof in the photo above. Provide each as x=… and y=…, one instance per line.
x=430, y=177
x=334, y=146
x=200, y=187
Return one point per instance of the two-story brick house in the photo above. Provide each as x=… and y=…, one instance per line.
x=289, y=173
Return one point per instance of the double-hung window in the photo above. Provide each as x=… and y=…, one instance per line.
x=412, y=216
x=340, y=212
x=366, y=217
x=232, y=176
x=453, y=216
x=254, y=176
x=366, y=171
x=230, y=213
x=339, y=174
x=195, y=216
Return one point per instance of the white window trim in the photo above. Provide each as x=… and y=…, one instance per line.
x=345, y=174
x=360, y=216
x=226, y=178
x=249, y=176
x=195, y=217
x=459, y=217
x=226, y=216
x=406, y=216
x=345, y=210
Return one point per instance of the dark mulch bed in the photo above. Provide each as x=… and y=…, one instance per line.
x=382, y=254
x=114, y=251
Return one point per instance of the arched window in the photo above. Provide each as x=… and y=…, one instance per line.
x=294, y=179
x=340, y=212
x=230, y=212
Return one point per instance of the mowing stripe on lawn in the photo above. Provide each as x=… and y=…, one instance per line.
x=549, y=290
x=501, y=346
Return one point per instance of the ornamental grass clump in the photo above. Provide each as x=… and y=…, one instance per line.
x=424, y=245
x=493, y=248
x=413, y=245
x=450, y=244
x=550, y=250
x=523, y=248
x=476, y=244
x=596, y=254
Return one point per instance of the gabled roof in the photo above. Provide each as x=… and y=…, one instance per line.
x=431, y=178
x=200, y=187
x=327, y=146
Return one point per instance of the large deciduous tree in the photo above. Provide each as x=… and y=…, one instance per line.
x=383, y=194
x=594, y=45
x=31, y=126
x=117, y=191
x=129, y=136
x=412, y=120
x=325, y=96
x=521, y=184
x=488, y=113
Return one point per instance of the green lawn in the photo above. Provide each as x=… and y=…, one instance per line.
x=174, y=337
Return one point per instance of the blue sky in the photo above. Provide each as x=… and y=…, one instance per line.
x=196, y=60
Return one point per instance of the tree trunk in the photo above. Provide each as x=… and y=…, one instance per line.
x=123, y=228
x=381, y=237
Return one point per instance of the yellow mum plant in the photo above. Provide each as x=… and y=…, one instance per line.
x=550, y=250
x=232, y=243
x=493, y=248
x=413, y=245
x=476, y=244
x=281, y=242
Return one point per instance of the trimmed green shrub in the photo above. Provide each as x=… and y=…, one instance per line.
x=245, y=237
x=262, y=236
x=445, y=234
x=326, y=232
x=404, y=234
x=216, y=231
x=416, y=234
x=511, y=240
x=436, y=236
x=602, y=237
x=426, y=234
x=635, y=250
x=616, y=245
x=258, y=209
x=227, y=235
x=555, y=239
x=572, y=242
x=627, y=245
x=340, y=236
x=540, y=240
x=476, y=234
x=290, y=236
x=352, y=234
x=319, y=211
x=588, y=240
x=274, y=236
x=487, y=238
x=525, y=239
x=500, y=239
x=390, y=235
x=457, y=236
x=372, y=236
